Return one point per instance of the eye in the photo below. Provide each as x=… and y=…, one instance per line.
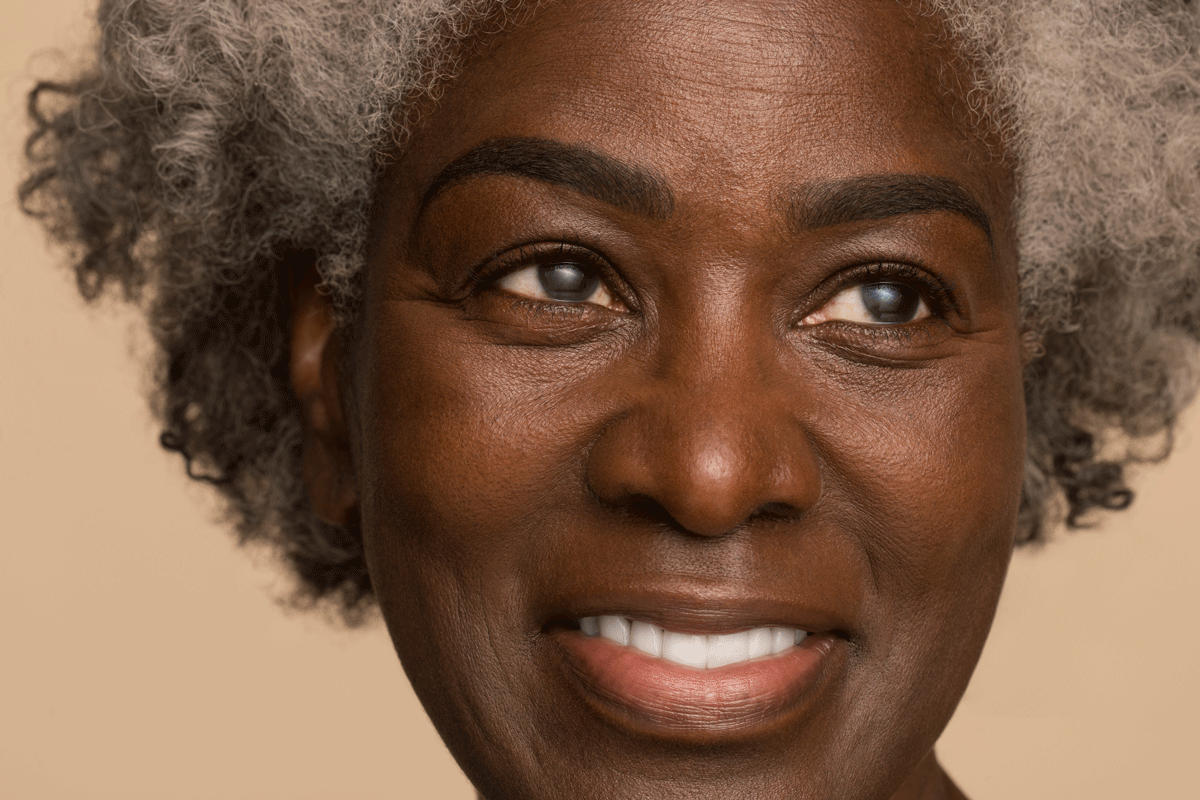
x=559, y=282
x=882, y=303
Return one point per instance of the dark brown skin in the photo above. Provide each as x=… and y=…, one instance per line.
x=704, y=440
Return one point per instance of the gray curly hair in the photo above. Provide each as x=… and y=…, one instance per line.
x=211, y=144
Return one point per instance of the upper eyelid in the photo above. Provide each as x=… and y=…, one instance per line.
x=510, y=259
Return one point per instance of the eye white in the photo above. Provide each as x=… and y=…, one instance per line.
x=528, y=282
x=850, y=305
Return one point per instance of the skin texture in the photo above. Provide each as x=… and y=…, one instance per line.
x=713, y=445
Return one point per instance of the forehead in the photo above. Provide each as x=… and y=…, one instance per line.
x=736, y=92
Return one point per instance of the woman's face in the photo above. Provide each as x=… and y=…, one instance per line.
x=699, y=317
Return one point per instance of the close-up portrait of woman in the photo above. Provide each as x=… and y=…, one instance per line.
x=668, y=383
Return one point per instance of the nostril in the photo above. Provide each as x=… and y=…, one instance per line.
x=647, y=508
x=776, y=511
x=650, y=510
x=703, y=470
x=689, y=520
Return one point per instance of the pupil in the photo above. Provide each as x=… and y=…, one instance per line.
x=891, y=302
x=567, y=282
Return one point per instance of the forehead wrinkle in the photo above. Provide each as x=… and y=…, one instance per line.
x=759, y=43
x=753, y=64
x=758, y=66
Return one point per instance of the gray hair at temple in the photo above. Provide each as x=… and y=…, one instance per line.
x=206, y=146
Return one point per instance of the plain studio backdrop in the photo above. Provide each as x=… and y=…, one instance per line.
x=144, y=656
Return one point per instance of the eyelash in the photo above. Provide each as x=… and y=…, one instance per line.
x=498, y=266
x=529, y=255
x=938, y=293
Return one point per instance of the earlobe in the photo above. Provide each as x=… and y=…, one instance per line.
x=327, y=467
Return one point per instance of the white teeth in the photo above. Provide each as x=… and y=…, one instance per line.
x=615, y=628
x=647, y=637
x=728, y=648
x=689, y=649
x=693, y=650
x=759, y=643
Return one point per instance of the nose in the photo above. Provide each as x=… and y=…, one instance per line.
x=710, y=442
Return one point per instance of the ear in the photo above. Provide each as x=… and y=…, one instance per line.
x=328, y=470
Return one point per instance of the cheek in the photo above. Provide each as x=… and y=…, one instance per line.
x=451, y=470
x=934, y=457
x=431, y=466
x=965, y=480
x=923, y=479
x=933, y=471
x=469, y=462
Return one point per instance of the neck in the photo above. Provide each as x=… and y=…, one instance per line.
x=929, y=782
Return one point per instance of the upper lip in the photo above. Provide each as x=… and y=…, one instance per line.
x=699, y=609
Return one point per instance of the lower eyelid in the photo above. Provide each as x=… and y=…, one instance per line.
x=893, y=344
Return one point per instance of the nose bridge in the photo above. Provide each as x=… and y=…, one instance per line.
x=713, y=393
x=710, y=438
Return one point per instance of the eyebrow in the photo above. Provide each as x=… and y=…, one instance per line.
x=638, y=190
x=879, y=197
x=630, y=188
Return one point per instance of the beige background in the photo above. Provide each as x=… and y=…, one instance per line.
x=142, y=656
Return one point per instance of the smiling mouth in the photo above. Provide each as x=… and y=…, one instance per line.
x=699, y=651
x=694, y=686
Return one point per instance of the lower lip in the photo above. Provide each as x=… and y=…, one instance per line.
x=666, y=698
